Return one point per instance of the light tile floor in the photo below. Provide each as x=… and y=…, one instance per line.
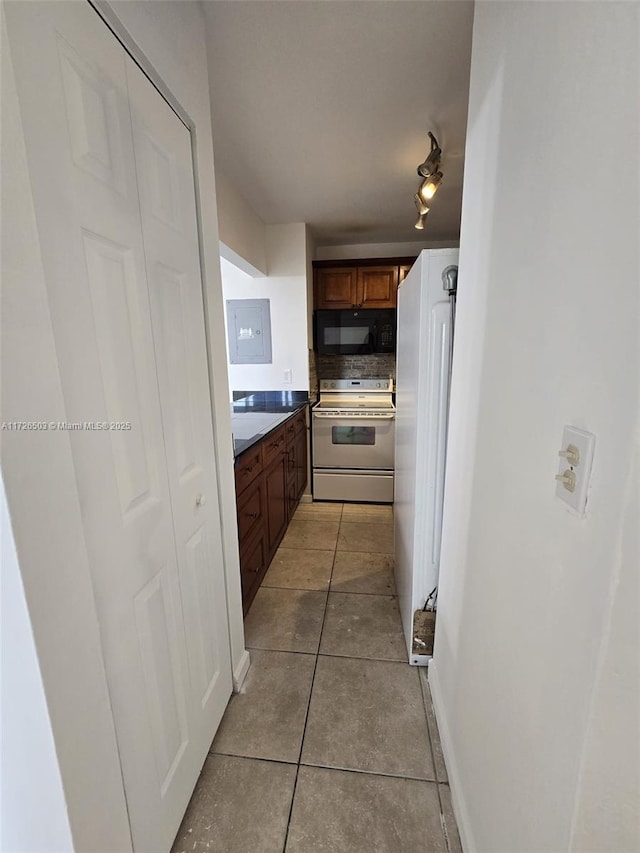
x=332, y=743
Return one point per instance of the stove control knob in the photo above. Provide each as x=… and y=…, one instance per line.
x=333, y=385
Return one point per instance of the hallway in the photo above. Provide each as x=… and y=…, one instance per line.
x=332, y=743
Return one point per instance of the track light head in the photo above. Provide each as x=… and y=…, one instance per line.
x=432, y=163
x=429, y=187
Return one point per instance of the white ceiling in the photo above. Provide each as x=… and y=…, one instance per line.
x=321, y=110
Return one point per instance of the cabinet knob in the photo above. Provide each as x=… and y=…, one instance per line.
x=201, y=500
x=248, y=469
x=252, y=514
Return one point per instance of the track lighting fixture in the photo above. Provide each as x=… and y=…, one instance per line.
x=432, y=163
x=431, y=174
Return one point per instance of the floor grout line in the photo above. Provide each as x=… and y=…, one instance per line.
x=306, y=718
x=282, y=651
x=329, y=590
x=378, y=773
x=359, y=657
x=256, y=758
x=425, y=699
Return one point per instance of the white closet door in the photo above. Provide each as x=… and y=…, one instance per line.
x=162, y=146
x=72, y=85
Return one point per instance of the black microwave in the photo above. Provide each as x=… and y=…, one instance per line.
x=359, y=331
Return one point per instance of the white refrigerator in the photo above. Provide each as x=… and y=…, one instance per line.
x=426, y=312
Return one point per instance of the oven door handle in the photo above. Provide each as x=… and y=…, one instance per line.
x=354, y=417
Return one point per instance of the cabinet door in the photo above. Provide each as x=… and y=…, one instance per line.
x=253, y=565
x=276, y=502
x=290, y=456
x=300, y=456
x=336, y=287
x=292, y=497
x=162, y=146
x=377, y=287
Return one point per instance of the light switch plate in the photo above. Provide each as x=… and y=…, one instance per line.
x=585, y=443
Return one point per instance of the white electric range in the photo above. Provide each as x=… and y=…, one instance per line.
x=353, y=433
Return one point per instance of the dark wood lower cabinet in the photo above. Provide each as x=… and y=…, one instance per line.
x=270, y=479
x=300, y=462
x=253, y=565
x=276, y=509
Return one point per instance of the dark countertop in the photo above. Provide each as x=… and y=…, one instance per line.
x=256, y=413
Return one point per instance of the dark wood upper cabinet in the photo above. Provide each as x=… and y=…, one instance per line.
x=336, y=288
x=377, y=287
x=359, y=284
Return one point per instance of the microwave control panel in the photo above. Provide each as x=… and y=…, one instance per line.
x=387, y=336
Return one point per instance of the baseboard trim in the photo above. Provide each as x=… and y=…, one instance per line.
x=457, y=797
x=306, y=499
x=241, y=670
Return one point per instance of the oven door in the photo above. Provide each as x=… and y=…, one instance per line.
x=353, y=441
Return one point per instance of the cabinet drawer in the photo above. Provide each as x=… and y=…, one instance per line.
x=273, y=445
x=250, y=511
x=248, y=466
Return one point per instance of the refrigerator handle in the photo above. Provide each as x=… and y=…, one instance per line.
x=450, y=278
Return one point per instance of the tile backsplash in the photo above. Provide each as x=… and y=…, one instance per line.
x=355, y=366
x=313, y=375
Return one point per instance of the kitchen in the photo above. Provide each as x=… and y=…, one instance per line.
x=503, y=530
x=325, y=586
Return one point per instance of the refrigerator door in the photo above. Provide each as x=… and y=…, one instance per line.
x=423, y=367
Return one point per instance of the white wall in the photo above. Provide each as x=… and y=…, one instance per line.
x=536, y=666
x=607, y=816
x=242, y=232
x=286, y=288
x=31, y=782
x=310, y=250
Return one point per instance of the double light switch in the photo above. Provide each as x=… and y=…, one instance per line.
x=574, y=467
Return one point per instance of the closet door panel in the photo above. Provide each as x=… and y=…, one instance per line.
x=170, y=233
x=76, y=116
